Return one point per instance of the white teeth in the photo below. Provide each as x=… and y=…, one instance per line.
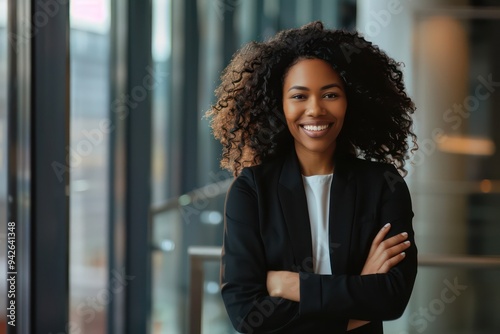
x=316, y=127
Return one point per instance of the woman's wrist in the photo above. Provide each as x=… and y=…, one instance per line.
x=291, y=286
x=284, y=284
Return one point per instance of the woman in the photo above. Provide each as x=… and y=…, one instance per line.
x=315, y=238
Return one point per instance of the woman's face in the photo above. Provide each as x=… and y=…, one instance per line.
x=314, y=103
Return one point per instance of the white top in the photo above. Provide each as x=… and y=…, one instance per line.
x=317, y=189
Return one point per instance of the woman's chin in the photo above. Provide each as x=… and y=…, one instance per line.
x=316, y=148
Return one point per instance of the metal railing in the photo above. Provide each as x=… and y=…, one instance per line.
x=197, y=256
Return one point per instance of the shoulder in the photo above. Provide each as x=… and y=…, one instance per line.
x=254, y=177
x=368, y=168
x=376, y=174
x=264, y=172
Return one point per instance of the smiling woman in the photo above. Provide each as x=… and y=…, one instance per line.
x=314, y=104
x=248, y=117
x=316, y=239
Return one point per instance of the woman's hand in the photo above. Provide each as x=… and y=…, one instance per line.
x=385, y=254
x=284, y=284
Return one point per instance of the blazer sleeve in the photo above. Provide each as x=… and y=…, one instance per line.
x=370, y=297
x=243, y=265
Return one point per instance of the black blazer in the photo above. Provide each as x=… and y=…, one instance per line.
x=267, y=228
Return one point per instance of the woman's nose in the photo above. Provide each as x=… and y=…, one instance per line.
x=315, y=109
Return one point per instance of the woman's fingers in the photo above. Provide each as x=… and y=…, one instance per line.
x=392, y=256
x=379, y=244
x=388, y=244
x=397, y=239
x=384, y=262
x=393, y=261
x=385, y=254
x=380, y=237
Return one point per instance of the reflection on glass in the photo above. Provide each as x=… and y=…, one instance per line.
x=455, y=293
x=193, y=220
x=3, y=158
x=88, y=156
x=214, y=316
x=457, y=196
x=169, y=291
x=457, y=174
x=211, y=17
x=161, y=51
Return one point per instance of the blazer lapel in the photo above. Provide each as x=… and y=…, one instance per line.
x=293, y=202
x=342, y=205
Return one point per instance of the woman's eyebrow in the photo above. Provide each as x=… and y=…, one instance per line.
x=322, y=88
x=331, y=86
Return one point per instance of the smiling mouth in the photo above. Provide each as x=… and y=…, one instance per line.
x=316, y=128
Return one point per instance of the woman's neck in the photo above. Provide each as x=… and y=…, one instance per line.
x=315, y=163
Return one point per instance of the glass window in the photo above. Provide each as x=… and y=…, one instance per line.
x=457, y=168
x=172, y=266
x=196, y=219
x=89, y=152
x=3, y=158
x=455, y=182
x=161, y=51
x=453, y=75
x=211, y=54
x=166, y=317
x=458, y=301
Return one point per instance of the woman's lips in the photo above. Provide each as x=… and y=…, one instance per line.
x=315, y=131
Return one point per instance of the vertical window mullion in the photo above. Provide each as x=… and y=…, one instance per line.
x=49, y=169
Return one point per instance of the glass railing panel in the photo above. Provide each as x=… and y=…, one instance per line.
x=194, y=219
x=88, y=159
x=451, y=301
x=456, y=300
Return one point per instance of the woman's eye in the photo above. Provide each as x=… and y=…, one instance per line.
x=298, y=97
x=331, y=95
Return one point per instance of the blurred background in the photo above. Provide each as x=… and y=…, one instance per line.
x=110, y=172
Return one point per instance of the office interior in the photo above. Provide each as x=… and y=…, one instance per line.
x=111, y=175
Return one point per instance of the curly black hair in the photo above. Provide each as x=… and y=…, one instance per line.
x=248, y=116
